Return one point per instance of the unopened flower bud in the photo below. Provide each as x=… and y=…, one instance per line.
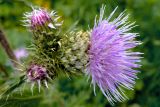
x=75, y=55
x=37, y=73
x=40, y=20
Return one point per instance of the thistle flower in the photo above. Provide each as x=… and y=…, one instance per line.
x=111, y=62
x=39, y=20
x=37, y=74
x=21, y=53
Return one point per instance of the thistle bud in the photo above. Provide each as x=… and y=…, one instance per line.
x=41, y=21
x=37, y=73
x=75, y=56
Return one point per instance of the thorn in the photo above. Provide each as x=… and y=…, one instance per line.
x=58, y=24
x=59, y=43
x=56, y=18
x=53, y=13
x=45, y=82
x=49, y=77
x=32, y=85
x=39, y=85
x=51, y=26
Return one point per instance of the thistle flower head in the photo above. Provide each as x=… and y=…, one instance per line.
x=75, y=56
x=37, y=73
x=21, y=53
x=41, y=20
x=111, y=62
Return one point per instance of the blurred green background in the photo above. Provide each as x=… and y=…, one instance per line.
x=76, y=92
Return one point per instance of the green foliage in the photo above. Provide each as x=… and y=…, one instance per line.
x=76, y=92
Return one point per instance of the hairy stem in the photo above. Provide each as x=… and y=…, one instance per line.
x=7, y=48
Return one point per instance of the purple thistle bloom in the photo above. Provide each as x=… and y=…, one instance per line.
x=40, y=19
x=37, y=73
x=21, y=53
x=111, y=62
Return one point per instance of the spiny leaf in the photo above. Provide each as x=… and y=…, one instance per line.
x=14, y=86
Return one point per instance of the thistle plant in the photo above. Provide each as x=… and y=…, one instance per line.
x=112, y=64
x=103, y=53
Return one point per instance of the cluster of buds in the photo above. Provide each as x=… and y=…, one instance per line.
x=45, y=26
